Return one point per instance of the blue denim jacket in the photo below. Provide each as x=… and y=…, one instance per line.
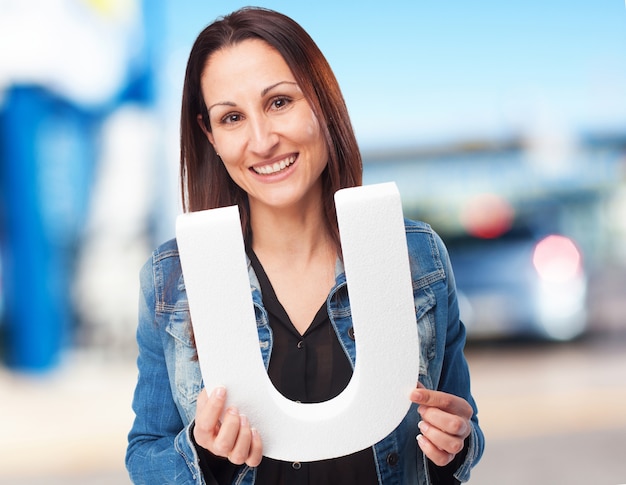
x=160, y=450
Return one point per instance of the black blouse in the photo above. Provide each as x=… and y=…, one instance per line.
x=308, y=368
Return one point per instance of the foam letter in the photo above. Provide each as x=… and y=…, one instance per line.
x=381, y=299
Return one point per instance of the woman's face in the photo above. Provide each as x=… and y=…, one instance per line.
x=262, y=126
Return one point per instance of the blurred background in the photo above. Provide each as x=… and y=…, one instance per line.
x=502, y=123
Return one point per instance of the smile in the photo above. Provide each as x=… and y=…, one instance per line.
x=275, y=167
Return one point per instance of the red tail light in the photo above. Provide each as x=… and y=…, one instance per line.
x=557, y=259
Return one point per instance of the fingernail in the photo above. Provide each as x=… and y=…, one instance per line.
x=219, y=392
x=423, y=426
x=419, y=438
x=244, y=419
x=255, y=432
x=233, y=411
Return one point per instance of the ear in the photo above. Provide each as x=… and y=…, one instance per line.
x=206, y=131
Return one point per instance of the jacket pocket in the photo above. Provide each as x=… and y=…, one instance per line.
x=425, y=302
x=183, y=362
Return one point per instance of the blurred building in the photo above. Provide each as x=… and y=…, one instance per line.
x=77, y=150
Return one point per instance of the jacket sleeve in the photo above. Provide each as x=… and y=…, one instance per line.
x=455, y=377
x=160, y=448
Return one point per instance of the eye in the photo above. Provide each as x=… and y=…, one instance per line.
x=230, y=118
x=280, y=102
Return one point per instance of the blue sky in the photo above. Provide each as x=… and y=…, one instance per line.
x=418, y=72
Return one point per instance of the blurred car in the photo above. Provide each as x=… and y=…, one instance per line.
x=519, y=282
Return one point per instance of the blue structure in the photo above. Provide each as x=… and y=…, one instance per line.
x=46, y=160
x=48, y=153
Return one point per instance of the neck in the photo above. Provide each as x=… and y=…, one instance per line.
x=290, y=233
x=298, y=255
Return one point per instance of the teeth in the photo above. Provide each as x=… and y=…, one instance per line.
x=275, y=167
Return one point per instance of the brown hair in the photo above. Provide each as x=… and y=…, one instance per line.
x=205, y=183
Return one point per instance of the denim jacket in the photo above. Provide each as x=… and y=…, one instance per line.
x=160, y=449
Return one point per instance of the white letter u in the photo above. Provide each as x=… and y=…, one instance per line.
x=381, y=300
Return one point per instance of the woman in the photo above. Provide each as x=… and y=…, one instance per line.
x=264, y=126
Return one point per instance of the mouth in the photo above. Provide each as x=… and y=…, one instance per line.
x=275, y=167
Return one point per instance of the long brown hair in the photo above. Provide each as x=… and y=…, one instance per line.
x=205, y=183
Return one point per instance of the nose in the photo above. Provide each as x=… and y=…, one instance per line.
x=263, y=137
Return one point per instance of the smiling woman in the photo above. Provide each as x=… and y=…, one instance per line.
x=264, y=127
x=205, y=181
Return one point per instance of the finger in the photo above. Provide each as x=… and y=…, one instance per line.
x=209, y=408
x=201, y=402
x=445, y=442
x=208, y=411
x=203, y=397
x=446, y=422
x=256, y=449
x=434, y=454
x=241, y=449
x=442, y=400
x=227, y=434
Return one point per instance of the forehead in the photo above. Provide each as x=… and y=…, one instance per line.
x=248, y=65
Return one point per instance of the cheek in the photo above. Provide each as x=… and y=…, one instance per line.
x=226, y=154
x=313, y=126
x=313, y=132
x=227, y=148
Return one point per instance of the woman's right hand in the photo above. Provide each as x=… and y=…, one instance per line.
x=231, y=437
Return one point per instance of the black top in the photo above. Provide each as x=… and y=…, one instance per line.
x=308, y=368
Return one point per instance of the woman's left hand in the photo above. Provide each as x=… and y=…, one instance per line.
x=445, y=424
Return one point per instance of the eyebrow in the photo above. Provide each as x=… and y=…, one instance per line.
x=263, y=93
x=269, y=88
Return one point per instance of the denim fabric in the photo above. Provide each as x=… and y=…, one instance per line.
x=160, y=450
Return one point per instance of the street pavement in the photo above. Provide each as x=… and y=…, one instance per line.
x=552, y=414
x=68, y=426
